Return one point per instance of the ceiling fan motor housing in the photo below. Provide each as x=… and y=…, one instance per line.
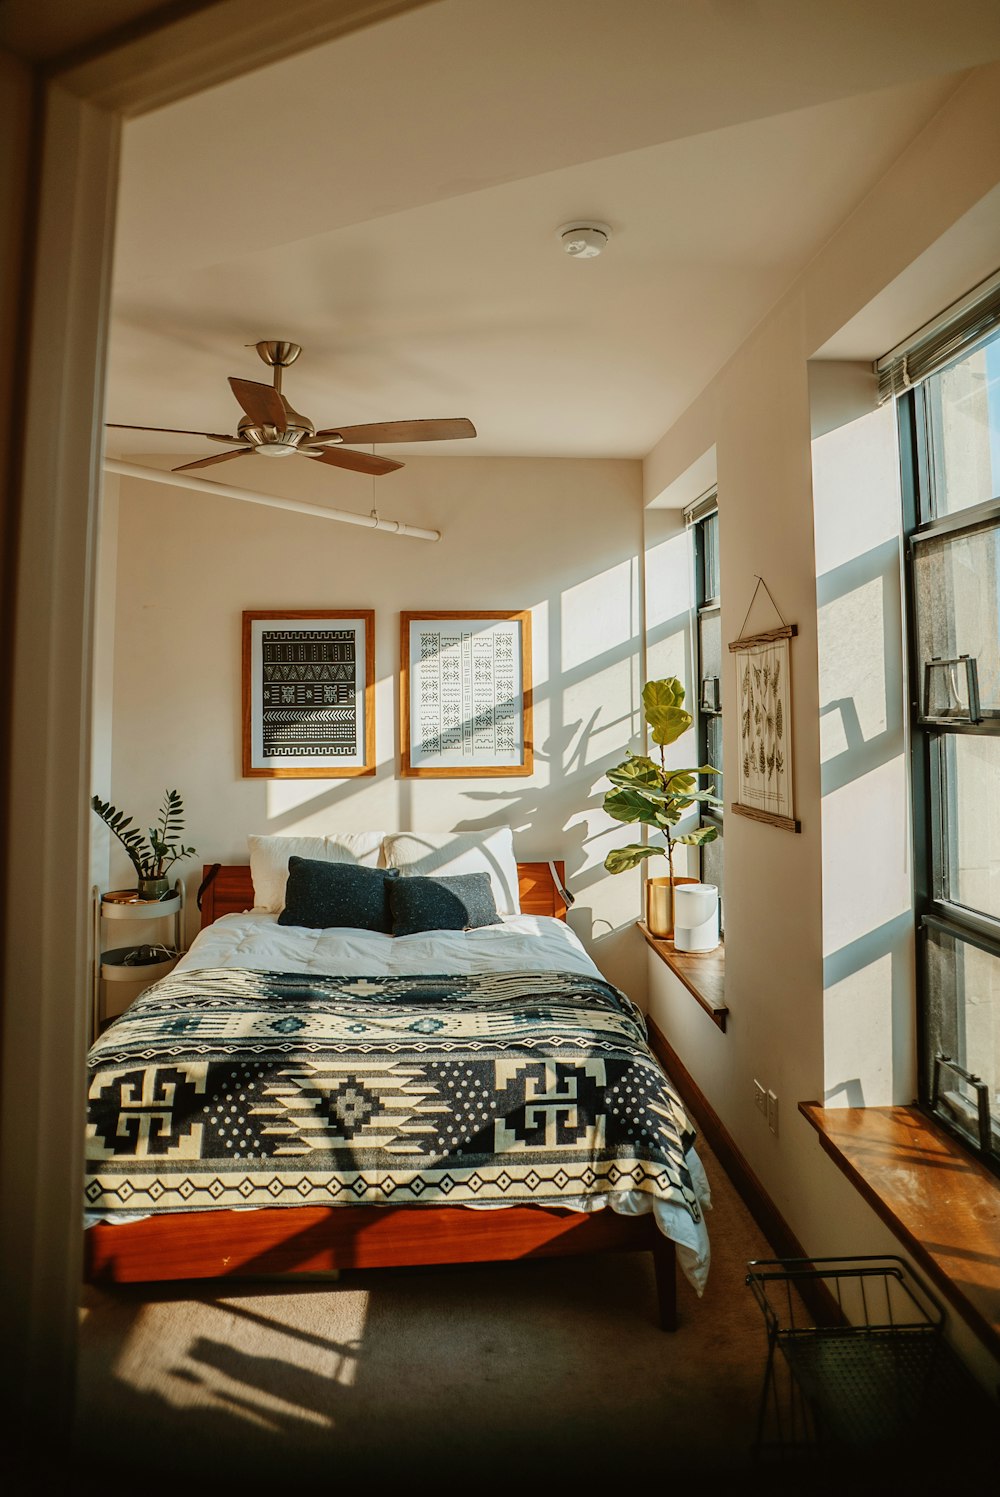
x=269, y=441
x=276, y=352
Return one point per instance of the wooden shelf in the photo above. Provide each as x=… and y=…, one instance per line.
x=940, y=1201
x=703, y=973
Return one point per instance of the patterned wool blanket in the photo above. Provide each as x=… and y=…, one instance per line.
x=222, y=1088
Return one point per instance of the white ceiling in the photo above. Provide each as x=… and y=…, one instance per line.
x=391, y=200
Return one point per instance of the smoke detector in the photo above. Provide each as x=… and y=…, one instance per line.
x=584, y=240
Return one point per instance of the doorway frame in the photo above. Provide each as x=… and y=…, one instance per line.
x=55, y=294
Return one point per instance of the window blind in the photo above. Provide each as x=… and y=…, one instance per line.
x=706, y=505
x=955, y=332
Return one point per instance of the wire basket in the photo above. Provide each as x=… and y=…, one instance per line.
x=869, y=1377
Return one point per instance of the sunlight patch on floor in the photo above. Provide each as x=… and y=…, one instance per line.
x=265, y=1360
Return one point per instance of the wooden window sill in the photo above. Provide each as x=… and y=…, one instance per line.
x=703, y=973
x=939, y=1200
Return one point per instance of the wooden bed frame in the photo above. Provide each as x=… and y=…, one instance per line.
x=311, y=1239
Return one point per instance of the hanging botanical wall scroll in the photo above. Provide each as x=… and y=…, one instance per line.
x=764, y=723
x=308, y=693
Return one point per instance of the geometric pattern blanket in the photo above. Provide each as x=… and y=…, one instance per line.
x=227, y=1088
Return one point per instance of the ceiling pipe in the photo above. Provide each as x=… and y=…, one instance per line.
x=228, y=491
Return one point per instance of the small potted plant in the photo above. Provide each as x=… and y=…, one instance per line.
x=658, y=797
x=153, y=854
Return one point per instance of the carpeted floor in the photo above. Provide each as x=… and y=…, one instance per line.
x=479, y=1376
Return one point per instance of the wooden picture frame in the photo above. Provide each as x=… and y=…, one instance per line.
x=308, y=693
x=465, y=706
x=764, y=728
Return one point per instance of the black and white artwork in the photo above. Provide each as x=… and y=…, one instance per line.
x=466, y=700
x=308, y=680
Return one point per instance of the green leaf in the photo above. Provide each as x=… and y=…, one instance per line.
x=629, y=805
x=667, y=692
x=669, y=724
x=661, y=701
x=707, y=798
x=637, y=770
x=624, y=858
x=700, y=837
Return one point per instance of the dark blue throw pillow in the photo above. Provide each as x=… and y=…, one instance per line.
x=320, y=894
x=458, y=901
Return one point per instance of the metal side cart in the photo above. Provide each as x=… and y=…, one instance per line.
x=874, y=1375
x=151, y=951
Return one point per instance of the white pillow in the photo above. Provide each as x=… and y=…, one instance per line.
x=434, y=853
x=269, y=860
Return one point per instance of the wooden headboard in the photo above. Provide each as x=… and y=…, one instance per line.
x=230, y=890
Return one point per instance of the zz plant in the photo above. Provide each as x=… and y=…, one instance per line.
x=653, y=795
x=152, y=854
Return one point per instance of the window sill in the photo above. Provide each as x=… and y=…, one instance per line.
x=703, y=973
x=940, y=1201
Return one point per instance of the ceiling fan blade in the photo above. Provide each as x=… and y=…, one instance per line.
x=401, y=431
x=179, y=431
x=359, y=462
x=262, y=403
x=206, y=462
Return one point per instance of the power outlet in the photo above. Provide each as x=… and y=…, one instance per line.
x=760, y=1098
x=772, y=1112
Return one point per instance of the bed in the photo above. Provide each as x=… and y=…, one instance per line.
x=294, y=1101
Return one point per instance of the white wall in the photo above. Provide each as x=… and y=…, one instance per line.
x=793, y=900
x=868, y=934
x=560, y=538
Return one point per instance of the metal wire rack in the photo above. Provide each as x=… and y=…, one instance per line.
x=871, y=1377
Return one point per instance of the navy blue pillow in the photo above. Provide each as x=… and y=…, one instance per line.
x=457, y=901
x=320, y=894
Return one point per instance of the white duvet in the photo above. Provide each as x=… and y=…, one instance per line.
x=521, y=943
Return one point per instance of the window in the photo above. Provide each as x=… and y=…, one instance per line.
x=949, y=427
x=704, y=520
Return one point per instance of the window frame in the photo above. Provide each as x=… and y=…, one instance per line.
x=932, y=829
x=704, y=606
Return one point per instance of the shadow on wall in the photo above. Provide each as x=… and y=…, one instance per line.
x=860, y=601
x=868, y=933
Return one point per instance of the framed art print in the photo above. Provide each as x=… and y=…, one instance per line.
x=308, y=693
x=764, y=757
x=465, y=694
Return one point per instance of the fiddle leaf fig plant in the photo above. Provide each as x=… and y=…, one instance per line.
x=651, y=794
x=150, y=855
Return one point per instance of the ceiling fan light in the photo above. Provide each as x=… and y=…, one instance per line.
x=276, y=449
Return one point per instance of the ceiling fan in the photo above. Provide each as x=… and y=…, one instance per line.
x=271, y=428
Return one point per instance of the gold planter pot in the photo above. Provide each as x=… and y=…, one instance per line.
x=660, y=905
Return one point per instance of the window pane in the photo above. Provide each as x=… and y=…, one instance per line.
x=963, y=1016
x=956, y=591
x=971, y=859
x=963, y=421
x=713, y=745
x=708, y=542
x=710, y=638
